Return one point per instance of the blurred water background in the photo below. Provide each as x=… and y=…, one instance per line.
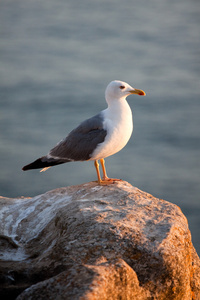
x=56, y=59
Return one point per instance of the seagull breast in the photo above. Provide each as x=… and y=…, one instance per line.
x=118, y=123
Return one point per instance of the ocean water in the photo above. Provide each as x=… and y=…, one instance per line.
x=56, y=59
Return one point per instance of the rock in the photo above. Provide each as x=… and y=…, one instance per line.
x=91, y=242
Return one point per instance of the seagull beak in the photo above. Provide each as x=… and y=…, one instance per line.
x=138, y=92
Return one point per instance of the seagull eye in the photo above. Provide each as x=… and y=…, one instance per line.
x=122, y=87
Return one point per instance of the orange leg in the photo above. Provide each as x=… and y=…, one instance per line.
x=96, y=164
x=106, y=180
x=105, y=176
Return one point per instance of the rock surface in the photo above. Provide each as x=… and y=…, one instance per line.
x=91, y=242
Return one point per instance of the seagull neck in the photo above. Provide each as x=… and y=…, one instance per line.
x=118, y=109
x=116, y=103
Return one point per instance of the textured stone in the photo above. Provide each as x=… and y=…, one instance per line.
x=91, y=242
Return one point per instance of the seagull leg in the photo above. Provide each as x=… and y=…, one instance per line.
x=105, y=180
x=96, y=164
x=105, y=176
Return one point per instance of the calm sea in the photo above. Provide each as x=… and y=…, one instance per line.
x=57, y=57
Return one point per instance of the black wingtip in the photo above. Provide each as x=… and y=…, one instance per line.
x=25, y=168
x=42, y=162
x=37, y=164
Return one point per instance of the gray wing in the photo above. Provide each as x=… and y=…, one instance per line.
x=82, y=141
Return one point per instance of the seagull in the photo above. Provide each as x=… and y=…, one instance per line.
x=98, y=137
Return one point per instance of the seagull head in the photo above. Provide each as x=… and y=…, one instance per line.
x=120, y=90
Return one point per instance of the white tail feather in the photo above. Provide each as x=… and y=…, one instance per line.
x=43, y=170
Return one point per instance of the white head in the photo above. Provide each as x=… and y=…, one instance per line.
x=120, y=90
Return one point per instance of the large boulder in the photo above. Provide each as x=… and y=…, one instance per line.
x=92, y=242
